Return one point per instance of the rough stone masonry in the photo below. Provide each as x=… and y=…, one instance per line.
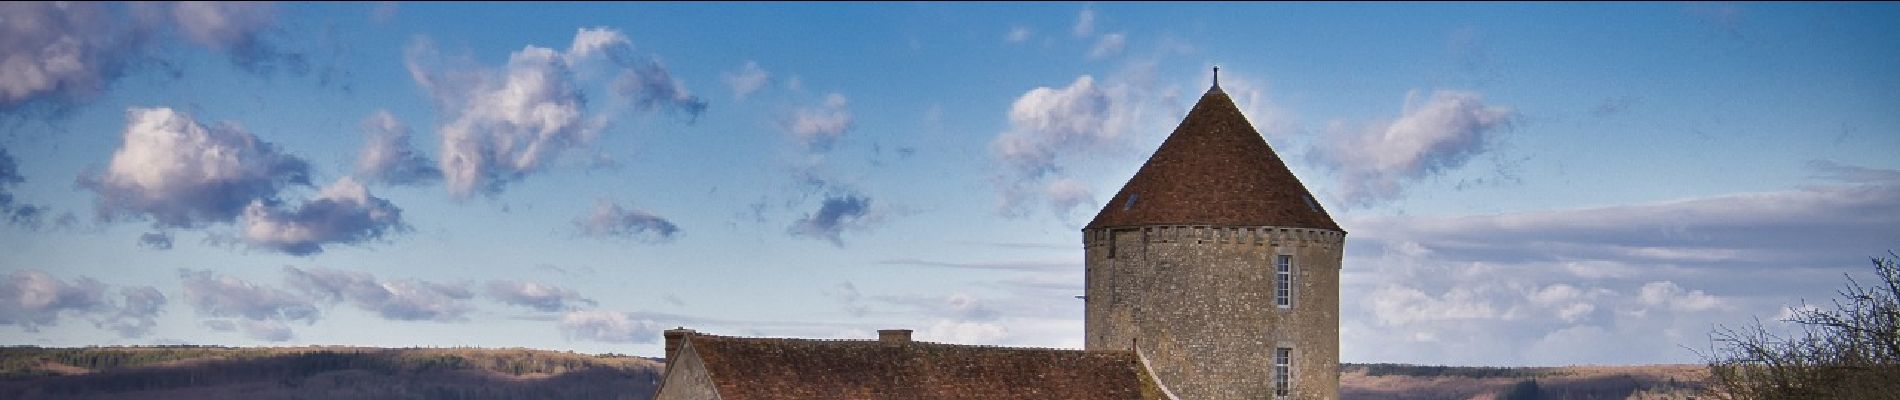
x=1185, y=263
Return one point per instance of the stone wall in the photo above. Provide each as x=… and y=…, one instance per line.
x=1199, y=301
x=688, y=380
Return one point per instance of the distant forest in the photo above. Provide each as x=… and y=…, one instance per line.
x=200, y=372
x=1430, y=382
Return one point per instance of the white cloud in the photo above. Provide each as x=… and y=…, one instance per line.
x=236, y=28
x=1557, y=293
x=1064, y=332
x=1084, y=23
x=1430, y=136
x=536, y=295
x=645, y=81
x=334, y=285
x=32, y=298
x=1046, y=121
x=609, y=219
x=66, y=52
x=1668, y=294
x=1399, y=305
x=815, y=129
x=608, y=326
x=1575, y=311
x=183, y=174
x=1510, y=314
x=387, y=155
x=964, y=332
x=1109, y=45
x=59, y=49
x=1053, y=128
x=503, y=124
x=1065, y=194
x=1790, y=313
x=510, y=127
x=1548, y=287
x=1017, y=34
x=222, y=25
x=1023, y=317
x=652, y=87
x=1836, y=223
x=230, y=297
x=748, y=80
x=966, y=307
x=1569, y=302
x=138, y=314
x=343, y=212
x=590, y=42
x=403, y=300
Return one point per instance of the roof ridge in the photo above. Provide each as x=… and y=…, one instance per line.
x=913, y=342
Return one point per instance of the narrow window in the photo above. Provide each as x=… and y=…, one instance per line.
x=1283, y=281
x=1282, y=375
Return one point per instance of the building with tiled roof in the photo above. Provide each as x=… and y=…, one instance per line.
x=1218, y=266
x=1213, y=274
x=1214, y=170
x=701, y=367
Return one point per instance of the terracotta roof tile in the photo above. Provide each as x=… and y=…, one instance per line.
x=752, y=368
x=1215, y=169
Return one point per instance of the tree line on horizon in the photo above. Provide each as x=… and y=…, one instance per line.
x=215, y=372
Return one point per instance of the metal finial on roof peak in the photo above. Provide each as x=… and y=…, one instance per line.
x=1217, y=76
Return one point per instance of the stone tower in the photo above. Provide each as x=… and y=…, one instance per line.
x=1217, y=265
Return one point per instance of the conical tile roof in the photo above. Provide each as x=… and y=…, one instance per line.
x=1215, y=169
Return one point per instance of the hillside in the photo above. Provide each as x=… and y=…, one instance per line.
x=198, y=372
x=1413, y=382
x=192, y=372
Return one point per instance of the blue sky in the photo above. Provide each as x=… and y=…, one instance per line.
x=1523, y=184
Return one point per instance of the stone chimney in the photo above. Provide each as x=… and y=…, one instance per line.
x=893, y=337
x=674, y=338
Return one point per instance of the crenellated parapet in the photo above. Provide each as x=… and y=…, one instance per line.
x=1206, y=234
